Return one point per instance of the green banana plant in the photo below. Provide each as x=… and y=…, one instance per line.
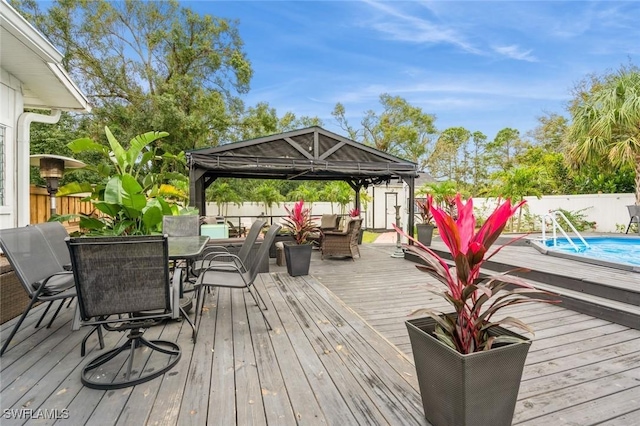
x=132, y=198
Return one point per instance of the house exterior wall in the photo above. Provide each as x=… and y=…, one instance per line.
x=11, y=106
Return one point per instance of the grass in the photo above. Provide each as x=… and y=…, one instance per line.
x=369, y=237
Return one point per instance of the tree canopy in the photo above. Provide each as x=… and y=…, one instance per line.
x=606, y=122
x=151, y=66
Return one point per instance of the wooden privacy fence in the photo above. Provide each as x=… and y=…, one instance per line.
x=41, y=205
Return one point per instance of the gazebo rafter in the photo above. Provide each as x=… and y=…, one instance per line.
x=311, y=153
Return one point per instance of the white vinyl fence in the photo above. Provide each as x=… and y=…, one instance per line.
x=609, y=211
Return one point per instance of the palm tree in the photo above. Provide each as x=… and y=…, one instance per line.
x=222, y=193
x=606, y=123
x=443, y=193
x=518, y=182
x=337, y=192
x=268, y=194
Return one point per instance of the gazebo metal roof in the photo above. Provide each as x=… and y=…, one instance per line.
x=307, y=154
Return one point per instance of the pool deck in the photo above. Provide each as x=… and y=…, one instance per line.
x=339, y=354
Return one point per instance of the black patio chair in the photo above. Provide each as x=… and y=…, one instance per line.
x=236, y=231
x=39, y=271
x=55, y=234
x=123, y=284
x=238, y=275
x=219, y=256
x=634, y=217
x=181, y=226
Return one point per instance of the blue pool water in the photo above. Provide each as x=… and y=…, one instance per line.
x=623, y=250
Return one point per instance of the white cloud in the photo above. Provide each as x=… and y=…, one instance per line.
x=515, y=52
x=404, y=27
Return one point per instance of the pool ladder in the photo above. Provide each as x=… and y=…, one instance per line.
x=553, y=215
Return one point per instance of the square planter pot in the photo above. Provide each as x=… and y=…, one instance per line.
x=425, y=233
x=475, y=389
x=298, y=258
x=279, y=237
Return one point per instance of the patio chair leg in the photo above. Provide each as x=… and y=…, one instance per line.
x=56, y=313
x=186, y=317
x=100, y=337
x=83, y=347
x=264, y=317
x=261, y=299
x=17, y=326
x=200, y=296
x=131, y=354
x=44, y=314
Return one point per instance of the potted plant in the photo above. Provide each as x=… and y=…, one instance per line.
x=297, y=253
x=469, y=367
x=425, y=228
x=131, y=199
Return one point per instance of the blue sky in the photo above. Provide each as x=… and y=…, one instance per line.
x=481, y=65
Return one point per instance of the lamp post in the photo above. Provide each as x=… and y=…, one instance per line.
x=398, y=253
x=52, y=168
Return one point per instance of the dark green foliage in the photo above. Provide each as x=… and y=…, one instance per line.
x=577, y=219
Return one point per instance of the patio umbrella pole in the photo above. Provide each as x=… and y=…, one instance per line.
x=398, y=253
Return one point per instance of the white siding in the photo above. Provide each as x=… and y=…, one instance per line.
x=10, y=108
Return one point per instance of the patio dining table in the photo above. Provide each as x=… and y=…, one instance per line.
x=186, y=248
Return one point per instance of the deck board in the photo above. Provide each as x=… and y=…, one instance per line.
x=338, y=354
x=571, y=351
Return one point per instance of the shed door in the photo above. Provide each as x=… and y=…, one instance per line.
x=391, y=200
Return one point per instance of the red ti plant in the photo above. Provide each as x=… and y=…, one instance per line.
x=299, y=222
x=424, y=210
x=354, y=213
x=466, y=290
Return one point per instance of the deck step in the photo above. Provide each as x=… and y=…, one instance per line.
x=600, y=307
x=598, y=299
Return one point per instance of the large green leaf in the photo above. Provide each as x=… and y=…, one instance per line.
x=152, y=217
x=86, y=144
x=119, y=155
x=91, y=223
x=74, y=188
x=126, y=191
x=139, y=142
x=132, y=212
x=164, y=207
x=107, y=208
x=120, y=228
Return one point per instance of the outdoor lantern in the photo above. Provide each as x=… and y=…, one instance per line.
x=52, y=168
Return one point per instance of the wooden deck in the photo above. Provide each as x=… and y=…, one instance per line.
x=331, y=359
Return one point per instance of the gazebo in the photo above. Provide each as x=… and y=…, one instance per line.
x=307, y=154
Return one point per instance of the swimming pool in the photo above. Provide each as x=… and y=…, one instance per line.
x=617, y=252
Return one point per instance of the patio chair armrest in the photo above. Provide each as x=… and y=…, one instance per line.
x=334, y=233
x=212, y=257
x=231, y=266
x=214, y=249
x=42, y=285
